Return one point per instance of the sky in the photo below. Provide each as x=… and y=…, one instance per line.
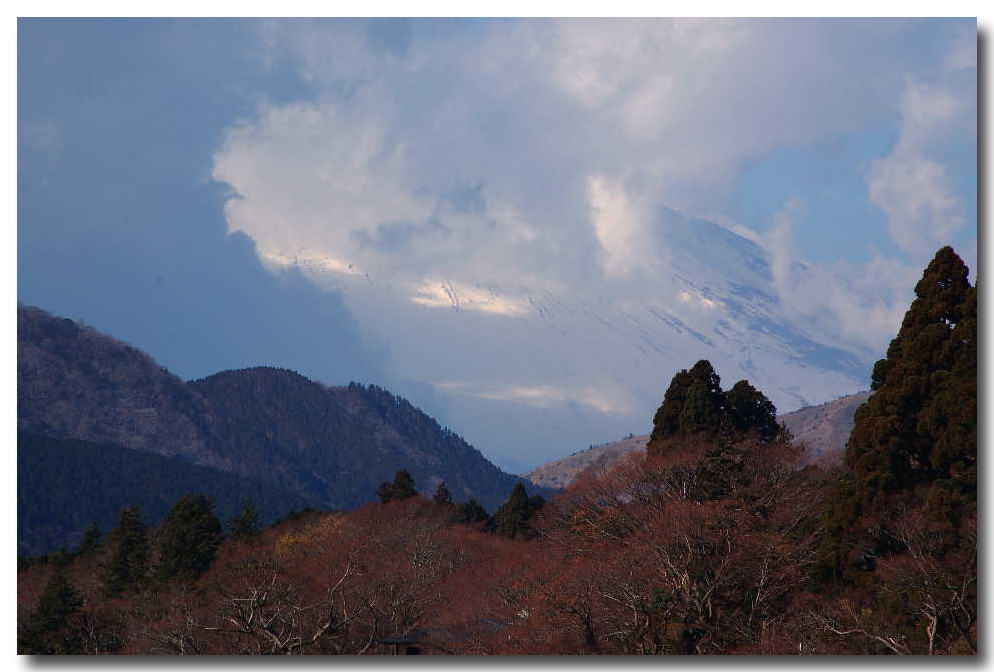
x=443, y=207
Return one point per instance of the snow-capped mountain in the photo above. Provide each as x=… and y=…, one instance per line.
x=528, y=370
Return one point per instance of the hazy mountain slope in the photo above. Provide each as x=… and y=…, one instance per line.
x=598, y=459
x=825, y=429
x=74, y=381
x=65, y=484
x=330, y=445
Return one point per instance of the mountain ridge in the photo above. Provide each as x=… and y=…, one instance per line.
x=328, y=445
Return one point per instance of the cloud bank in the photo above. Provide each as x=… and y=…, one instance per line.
x=469, y=168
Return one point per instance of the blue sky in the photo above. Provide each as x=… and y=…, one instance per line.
x=227, y=193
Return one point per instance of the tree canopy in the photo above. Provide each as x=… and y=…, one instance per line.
x=694, y=402
x=401, y=488
x=920, y=425
x=189, y=537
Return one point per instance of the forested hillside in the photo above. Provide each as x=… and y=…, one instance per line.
x=64, y=485
x=338, y=443
x=309, y=443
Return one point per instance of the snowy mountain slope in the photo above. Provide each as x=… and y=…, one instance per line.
x=528, y=367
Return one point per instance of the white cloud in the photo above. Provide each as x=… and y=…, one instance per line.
x=518, y=175
x=922, y=204
x=620, y=226
x=857, y=304
x=608, y=398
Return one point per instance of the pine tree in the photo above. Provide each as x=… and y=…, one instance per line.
x=128, y=564
x=470, y=511
x=695, y=403
x=667, y=419
x=512, y=518
x=921, y=422
x=401, y=488
x=49, y=630
x=189, y=537
x=90, y=541
x=750, y=410
x=246, y=523
x=705, y=403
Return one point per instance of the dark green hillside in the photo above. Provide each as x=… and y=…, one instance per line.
x=65, y=484
x=338, y=443
x=330, y=445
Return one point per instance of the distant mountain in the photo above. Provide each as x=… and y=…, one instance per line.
x=328, y=445
x=597, y=459
x=73, y=381
x=823, y=429
x=338, y=443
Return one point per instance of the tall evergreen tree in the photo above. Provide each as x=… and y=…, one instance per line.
x=189, y=537
x=401, y=488
x=470, y=511
x=49, y=630
x=512, y=518
x=90, y=541
x=749, y=409
x=695, y=403
x=920, y=423
x=246, y=523
x=128, y=564
x=667, y=419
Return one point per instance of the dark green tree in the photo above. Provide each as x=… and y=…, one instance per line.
x=695, y=403
x=920, y=425
x=442, y=495
x=49, y=629
x=128, y=565
x=401, y=488
x=188, y=539
x=667, y=419
x=470, y=511
x=90, y=541
x=750, y=410
x=704, y=406
x=513, y=517
x=246, y=523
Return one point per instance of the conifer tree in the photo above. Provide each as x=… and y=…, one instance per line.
x=512, y=518
x=920, y=423
x=401, y=488
x=470, y=511
x=189, y=537
x=48, y=630
x=749, y=409
x=246, y=523
x=667, y=419
x=90, y=541
x=129, y=558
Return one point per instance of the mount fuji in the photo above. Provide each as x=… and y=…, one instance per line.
x=529, y=370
